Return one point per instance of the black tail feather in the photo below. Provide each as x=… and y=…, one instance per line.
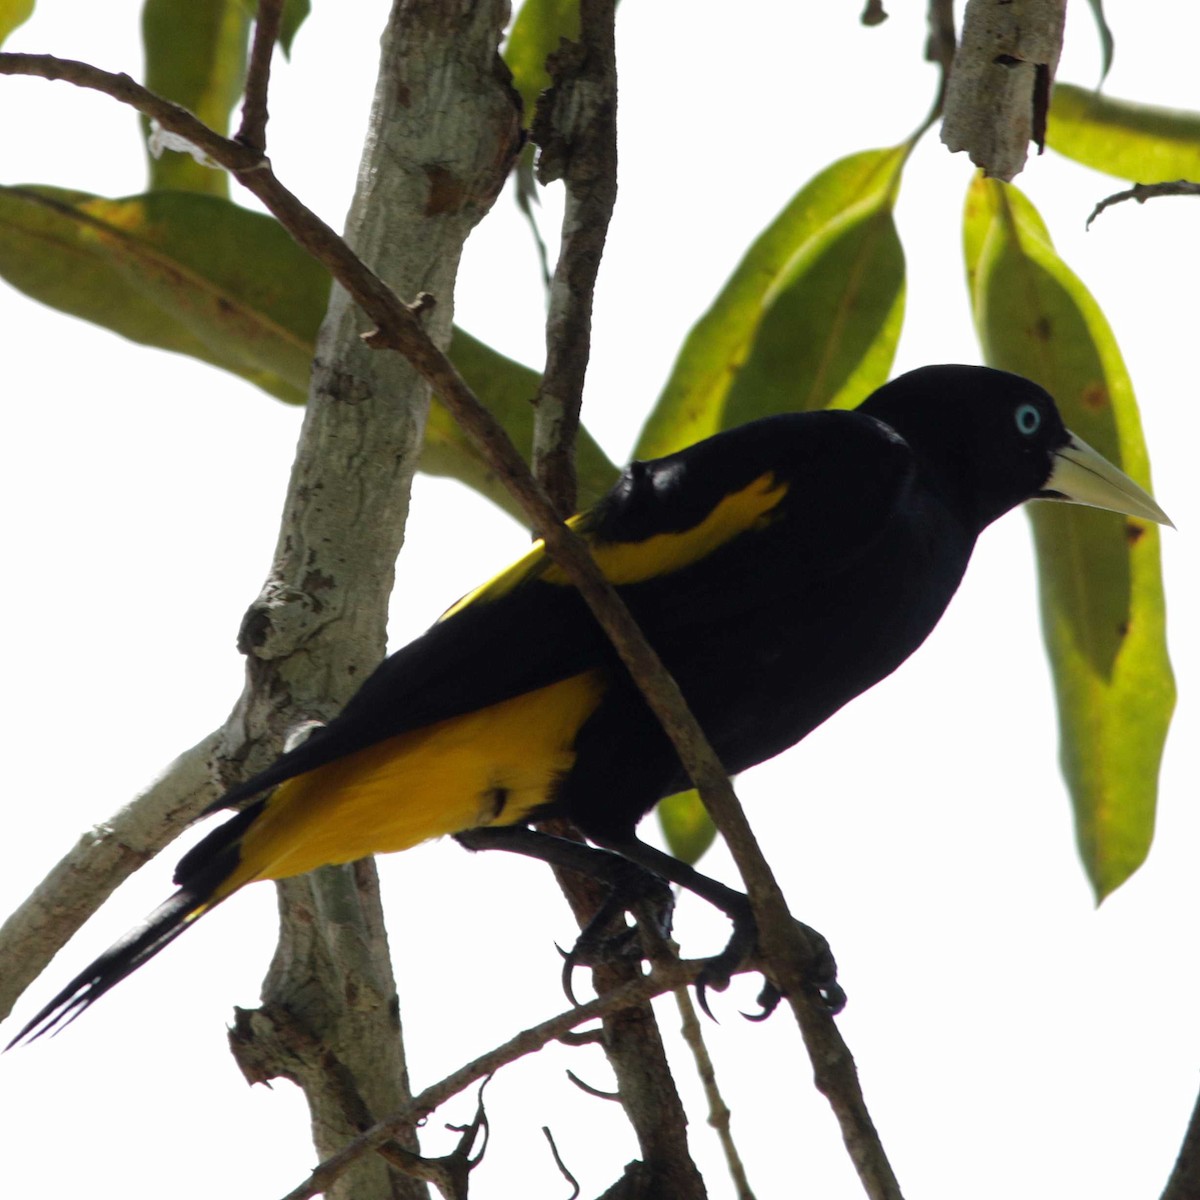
x=121, y=959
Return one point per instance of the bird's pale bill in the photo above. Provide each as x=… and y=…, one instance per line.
x=1083, y=476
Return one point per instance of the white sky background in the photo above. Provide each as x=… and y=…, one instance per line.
x=1012, y=1039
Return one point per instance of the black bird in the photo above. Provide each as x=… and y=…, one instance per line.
x=780, y=569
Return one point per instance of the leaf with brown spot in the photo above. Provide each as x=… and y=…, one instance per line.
x=181, y=271
x=1102, y=604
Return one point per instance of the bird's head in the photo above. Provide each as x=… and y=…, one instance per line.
x=993, y=440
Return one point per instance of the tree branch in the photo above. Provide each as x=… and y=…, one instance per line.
x=99, y=862
x=999, y=89
x=443, y=129
x=576, y=128
x=665, y=977
x=718, y=1111
x=253, y=132
x=1141, y=192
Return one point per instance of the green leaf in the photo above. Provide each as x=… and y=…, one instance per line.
x=12, y=14
x=196, y=56
x=198, y=275
x=182, y=271
x=535, y=34
x=295, y=13
x=809, y=319
x=507, y=388
x=1101, y=583
x=1106, y=39
x=1131, y=141
x=686, y=825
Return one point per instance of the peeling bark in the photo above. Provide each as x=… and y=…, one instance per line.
x=999, y=89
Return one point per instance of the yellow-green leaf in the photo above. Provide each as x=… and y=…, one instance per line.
x=1131, y=141
x=12, y=14
x=535, y=34
x=196, y=56
x=198, y=275
x=686, y=825
x=1106, y=38
x=810, y=318
x=1100, y=575
x=178, y=270
x=295, y=13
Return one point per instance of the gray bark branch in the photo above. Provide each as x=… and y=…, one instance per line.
x=998, y=94
x=441, y=135
x=102, y=859
x=576, y=128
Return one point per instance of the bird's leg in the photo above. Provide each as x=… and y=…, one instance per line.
x=629, y=885
x=743, y=942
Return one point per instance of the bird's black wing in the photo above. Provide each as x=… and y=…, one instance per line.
x=692, y=539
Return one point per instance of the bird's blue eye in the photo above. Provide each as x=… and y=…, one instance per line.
x=1029, y=419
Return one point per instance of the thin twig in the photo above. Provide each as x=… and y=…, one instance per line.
x=718, y=1110
x=576, y=128
x=1141, y=192
x=940, y=44
x=662, y=979
x=589, y=1090
x=253, y=132
x=562, y=1166
x=836, y=1077
x=785, y=948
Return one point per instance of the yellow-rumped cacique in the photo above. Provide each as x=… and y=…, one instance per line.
x=779, y=568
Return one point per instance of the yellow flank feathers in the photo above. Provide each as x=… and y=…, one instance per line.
x=489, y=767
x=660, y=554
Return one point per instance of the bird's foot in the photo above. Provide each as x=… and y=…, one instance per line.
x=605, y=938
x=742, y=949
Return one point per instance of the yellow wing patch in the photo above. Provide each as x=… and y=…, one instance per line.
x=487, y=767
x=660, y=554
x=534, y=563
x=664, y=553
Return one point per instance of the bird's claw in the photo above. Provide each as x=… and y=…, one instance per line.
x=721, y=968
x=743, y=945
x=768, y=1001
x=598, y=944
x=822, y=971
